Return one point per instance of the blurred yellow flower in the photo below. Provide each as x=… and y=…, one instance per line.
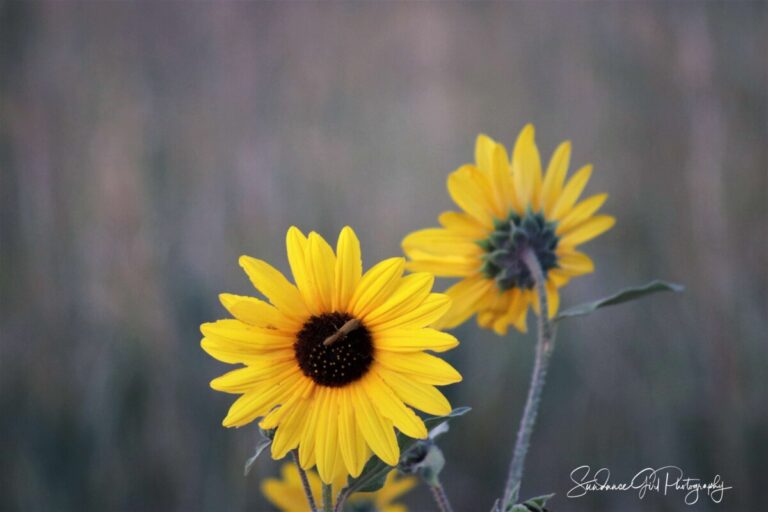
x=334, y=361
x=287, y=494
x=506, y=209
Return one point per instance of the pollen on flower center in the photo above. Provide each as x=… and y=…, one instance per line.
x=505, y=246
x=344, y=360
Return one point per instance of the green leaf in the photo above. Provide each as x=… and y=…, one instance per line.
x=625, y=295
x=260, y=447
x=537, y=504
x=375, y=471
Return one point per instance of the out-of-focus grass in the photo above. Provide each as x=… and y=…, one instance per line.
x=144, y=147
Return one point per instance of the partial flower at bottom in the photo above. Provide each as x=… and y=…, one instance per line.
x=287, y=493
x=508, y=208
x=336, y=361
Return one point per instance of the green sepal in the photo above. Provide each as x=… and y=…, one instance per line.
x=500, y=224
x=498, y=256
x=625, y=295
x=484, y=244
x=499, y=238
x=489, y=269
x=530, y=225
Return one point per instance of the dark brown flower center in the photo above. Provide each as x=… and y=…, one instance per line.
x=344, y=358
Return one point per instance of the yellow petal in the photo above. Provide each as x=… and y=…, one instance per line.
x=514, y=306
x=349, y=267
x=351, y=442
x=493, y=162
x=580, y=213
x=424, y=397
x=288, y=494
x=588, y=230
x=440, y=242
x=520, y=323
x=281, y=293
x=425, y=368
x=574, y=263
x=484, y=146
x=571, y=192
x=307, y=449
x=322, y=264
x=433, y=307
x=501, y=179
x=469, y=190
x=296, y=248
x=553, y=181
x=377, y=430
x=246, y=379
x=394, y=488
x=247, y=337
x=291, y=425
x=465, y=296
x=526, y=169
x=326, y=444
x=391, y=407
x=463, y=224
x=376, y=286
x=445, y=266
x=412, y=290
x=559, y=276
x=259, y=402
x=553, y=299
x=235, y=352
x=413, y=340
x=298, y=400
x=253, y=311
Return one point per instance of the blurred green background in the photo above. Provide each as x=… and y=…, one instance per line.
x=145, y=146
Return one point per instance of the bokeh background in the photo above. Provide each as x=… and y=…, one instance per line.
x=145, y=146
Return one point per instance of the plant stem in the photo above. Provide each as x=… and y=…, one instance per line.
x=341, y=499
x=327, y=498
x=545, y=344
x=438, y=492
x=305, y=482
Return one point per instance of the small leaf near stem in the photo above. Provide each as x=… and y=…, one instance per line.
x=349, y=326
x=327, y=498
x=260, y=447
x=545, y=344
x=304, y=482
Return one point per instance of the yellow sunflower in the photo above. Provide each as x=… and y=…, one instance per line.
x=507, y=208
x=287, y=494
x=334, y=361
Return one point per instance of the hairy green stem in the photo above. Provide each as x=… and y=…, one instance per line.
x=327, y=498
x=305, y=482
x=544, y=346
x=438, y=492
x=341, y=499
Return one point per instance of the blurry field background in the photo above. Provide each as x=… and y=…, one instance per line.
x=145, y=146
